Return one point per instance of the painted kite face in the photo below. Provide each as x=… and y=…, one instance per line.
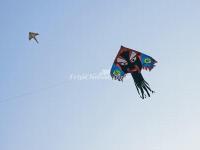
x=129, y=62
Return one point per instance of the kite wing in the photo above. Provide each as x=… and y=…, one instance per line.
x=148, y=63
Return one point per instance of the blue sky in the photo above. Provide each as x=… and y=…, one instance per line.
x=40, y=108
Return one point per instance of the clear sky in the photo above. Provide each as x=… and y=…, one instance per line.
x=41, y=109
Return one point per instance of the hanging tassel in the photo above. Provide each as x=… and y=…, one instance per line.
x=142, y=86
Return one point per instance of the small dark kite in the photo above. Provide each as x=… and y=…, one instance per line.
x=32, y=35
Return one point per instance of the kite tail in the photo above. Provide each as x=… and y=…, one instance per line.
x=142, y=86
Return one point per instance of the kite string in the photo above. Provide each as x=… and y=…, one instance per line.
x=32, y=92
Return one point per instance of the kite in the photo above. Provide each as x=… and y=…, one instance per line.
x=132, y=61
x=32, y=35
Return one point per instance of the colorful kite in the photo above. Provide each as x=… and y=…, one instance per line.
x=132, y=61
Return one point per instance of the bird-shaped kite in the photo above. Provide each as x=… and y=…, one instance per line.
x=132, y=61
x=32, y=35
